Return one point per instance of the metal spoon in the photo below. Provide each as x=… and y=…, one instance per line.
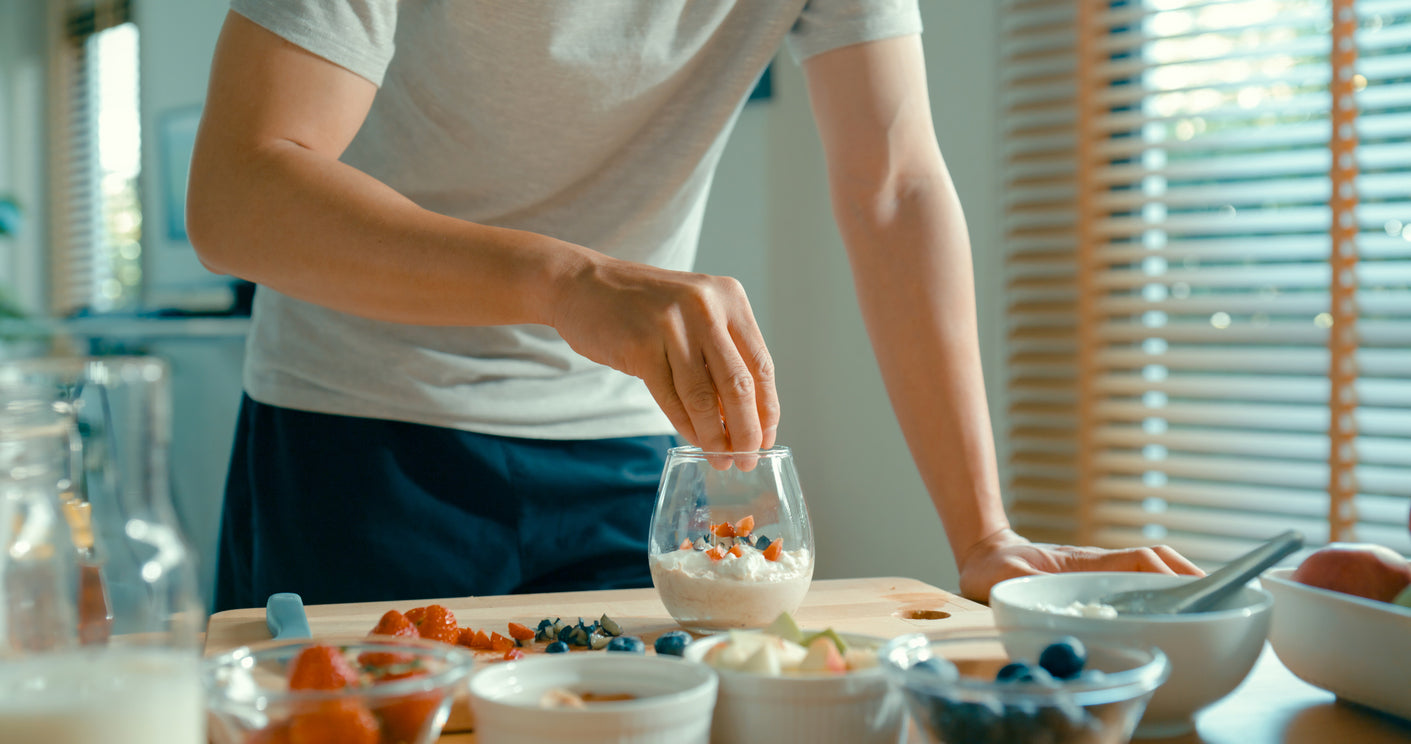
x=1202, y=594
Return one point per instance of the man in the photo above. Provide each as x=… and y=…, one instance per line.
x=472, y=225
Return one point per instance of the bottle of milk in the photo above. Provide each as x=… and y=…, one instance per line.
x=100, y=611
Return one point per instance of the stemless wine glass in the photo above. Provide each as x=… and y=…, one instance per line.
x=100, y=621
x=731, y=545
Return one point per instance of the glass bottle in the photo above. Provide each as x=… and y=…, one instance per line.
x=123, y=663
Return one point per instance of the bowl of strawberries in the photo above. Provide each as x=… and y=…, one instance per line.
x=379, y=689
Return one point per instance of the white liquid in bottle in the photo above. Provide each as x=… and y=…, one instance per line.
x=113, y=696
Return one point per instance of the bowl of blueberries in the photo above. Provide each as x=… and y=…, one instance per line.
x=991, y=686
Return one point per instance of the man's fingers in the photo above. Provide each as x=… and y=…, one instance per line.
x=735, y=386
x=663, y=390
x=761, y=367
x=1176, y=561
x=697, y=393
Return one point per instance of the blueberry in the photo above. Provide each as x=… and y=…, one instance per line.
x=761, y=543
x=628, y=644
x=672, y=643
x=557, y=647
x=1064, y=658
x=1019, y=672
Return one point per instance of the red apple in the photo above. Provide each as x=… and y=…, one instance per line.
x=1363, y=570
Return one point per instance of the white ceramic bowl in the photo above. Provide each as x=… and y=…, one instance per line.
x=857, y=707
x=1355, y=648
x=672, y=705
x=1210, y=652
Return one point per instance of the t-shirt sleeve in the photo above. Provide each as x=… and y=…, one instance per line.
x=353, y=34
x=824, y=25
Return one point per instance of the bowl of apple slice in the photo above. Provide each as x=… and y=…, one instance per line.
x=785, y=684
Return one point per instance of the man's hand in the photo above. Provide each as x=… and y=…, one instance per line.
x=691, y=337
x=1005, y=555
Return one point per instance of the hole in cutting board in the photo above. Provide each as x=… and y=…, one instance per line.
x=922, y=614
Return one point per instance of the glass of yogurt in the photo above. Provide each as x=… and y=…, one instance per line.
x=731, y=545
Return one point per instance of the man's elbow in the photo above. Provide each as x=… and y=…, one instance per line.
x=208, y=224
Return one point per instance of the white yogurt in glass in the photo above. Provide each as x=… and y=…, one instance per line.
x=113, y=696
x=747, y=591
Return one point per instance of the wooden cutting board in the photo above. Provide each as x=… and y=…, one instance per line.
x=885, y=607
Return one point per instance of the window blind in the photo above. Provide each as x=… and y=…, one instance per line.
x=1208, y=270
x=95, y=151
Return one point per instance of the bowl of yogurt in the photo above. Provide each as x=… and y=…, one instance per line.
x=731, y=545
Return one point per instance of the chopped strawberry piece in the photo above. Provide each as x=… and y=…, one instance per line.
x=716, y=553
x=513, y=654
x=321, y=667
x=724, y=529
x=735, y=551
x=334, y=722
x=438, y=624
x=394, y=623
x=404, y=717
x=521, y=632
x=466, y=638
x=745, y=526
x=774, y=550
x=500, y=643
x=481, y=641
x=687, y=545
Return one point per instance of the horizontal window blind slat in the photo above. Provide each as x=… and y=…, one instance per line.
x=1285, y=473
x=1217, y=441
x=1309, y=502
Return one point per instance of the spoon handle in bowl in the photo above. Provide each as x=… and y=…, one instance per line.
x=1204, y=592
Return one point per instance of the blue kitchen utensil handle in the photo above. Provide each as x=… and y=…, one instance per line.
x=284, y=614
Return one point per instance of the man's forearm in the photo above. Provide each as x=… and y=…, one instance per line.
x=910, y=256
x=317, y=229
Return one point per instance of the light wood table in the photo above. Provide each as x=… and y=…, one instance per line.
x=1271, y=707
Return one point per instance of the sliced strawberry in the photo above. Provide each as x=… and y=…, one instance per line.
x=774, y=550
x=724, y=529
x=513, y=654
x=500, y=643
x=321, y=667
x=716, y=553
x=745, y=526
x=735, y=551
x=521, y=632
x=687, y=545
x=481, y=642
x=439, y=624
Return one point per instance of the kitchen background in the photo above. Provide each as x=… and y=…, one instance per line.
x=768, y=224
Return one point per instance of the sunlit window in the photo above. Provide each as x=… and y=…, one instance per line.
x=98, y=239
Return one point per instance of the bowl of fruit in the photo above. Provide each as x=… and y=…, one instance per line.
x=375, y=690
x=1023, y=686
x=1342, y=622
x=784, y=684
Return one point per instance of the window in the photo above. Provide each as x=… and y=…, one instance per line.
x=1208, y=229
x=97, y=148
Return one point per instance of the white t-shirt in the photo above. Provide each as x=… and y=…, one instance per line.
x=598, y=122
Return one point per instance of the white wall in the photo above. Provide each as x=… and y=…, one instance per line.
x=870, y=511
x=177, y=38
